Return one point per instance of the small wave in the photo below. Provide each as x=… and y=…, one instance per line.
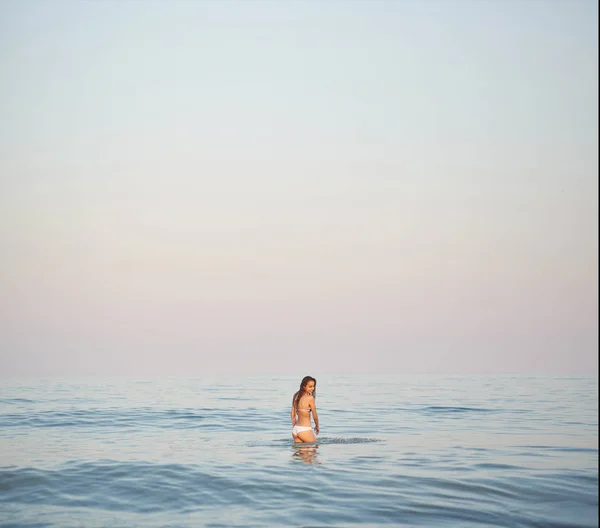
x=206, y=418
x=567, y=449
x=14, y=401
x=447, y=409
x=351, y=440
x=492, y=465
x=135, y=486
x=320, y=441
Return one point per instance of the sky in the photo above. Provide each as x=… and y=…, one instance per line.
x=267, y=187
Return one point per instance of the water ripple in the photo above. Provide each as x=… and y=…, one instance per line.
x=133, y=418
x=503, y=452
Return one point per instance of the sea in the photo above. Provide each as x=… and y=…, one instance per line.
x=217, y=451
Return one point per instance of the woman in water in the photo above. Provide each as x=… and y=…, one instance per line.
x=303, y=404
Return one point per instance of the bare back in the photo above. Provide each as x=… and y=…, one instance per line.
x=306, y=405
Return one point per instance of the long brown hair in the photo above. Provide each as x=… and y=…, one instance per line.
x=302, y=390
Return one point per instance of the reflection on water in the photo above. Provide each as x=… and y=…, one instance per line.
x=306, y=453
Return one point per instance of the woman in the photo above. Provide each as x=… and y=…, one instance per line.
x=303, y=404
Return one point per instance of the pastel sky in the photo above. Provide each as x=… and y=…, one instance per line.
x=190, y=187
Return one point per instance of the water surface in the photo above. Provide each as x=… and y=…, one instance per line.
x=404, y=451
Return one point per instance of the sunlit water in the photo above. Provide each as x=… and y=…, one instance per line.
x=421, y=451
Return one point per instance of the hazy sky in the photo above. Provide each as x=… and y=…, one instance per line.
x=298, y=187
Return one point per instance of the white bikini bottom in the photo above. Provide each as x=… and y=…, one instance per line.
x=300, y=429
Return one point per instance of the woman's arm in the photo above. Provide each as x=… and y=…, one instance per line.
x=293, y=415
x=313, y=406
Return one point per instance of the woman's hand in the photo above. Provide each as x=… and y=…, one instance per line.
x=316, y=429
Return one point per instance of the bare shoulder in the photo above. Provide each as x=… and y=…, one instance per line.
x=306, y=401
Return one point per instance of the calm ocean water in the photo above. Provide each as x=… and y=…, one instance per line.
x=405, y=451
